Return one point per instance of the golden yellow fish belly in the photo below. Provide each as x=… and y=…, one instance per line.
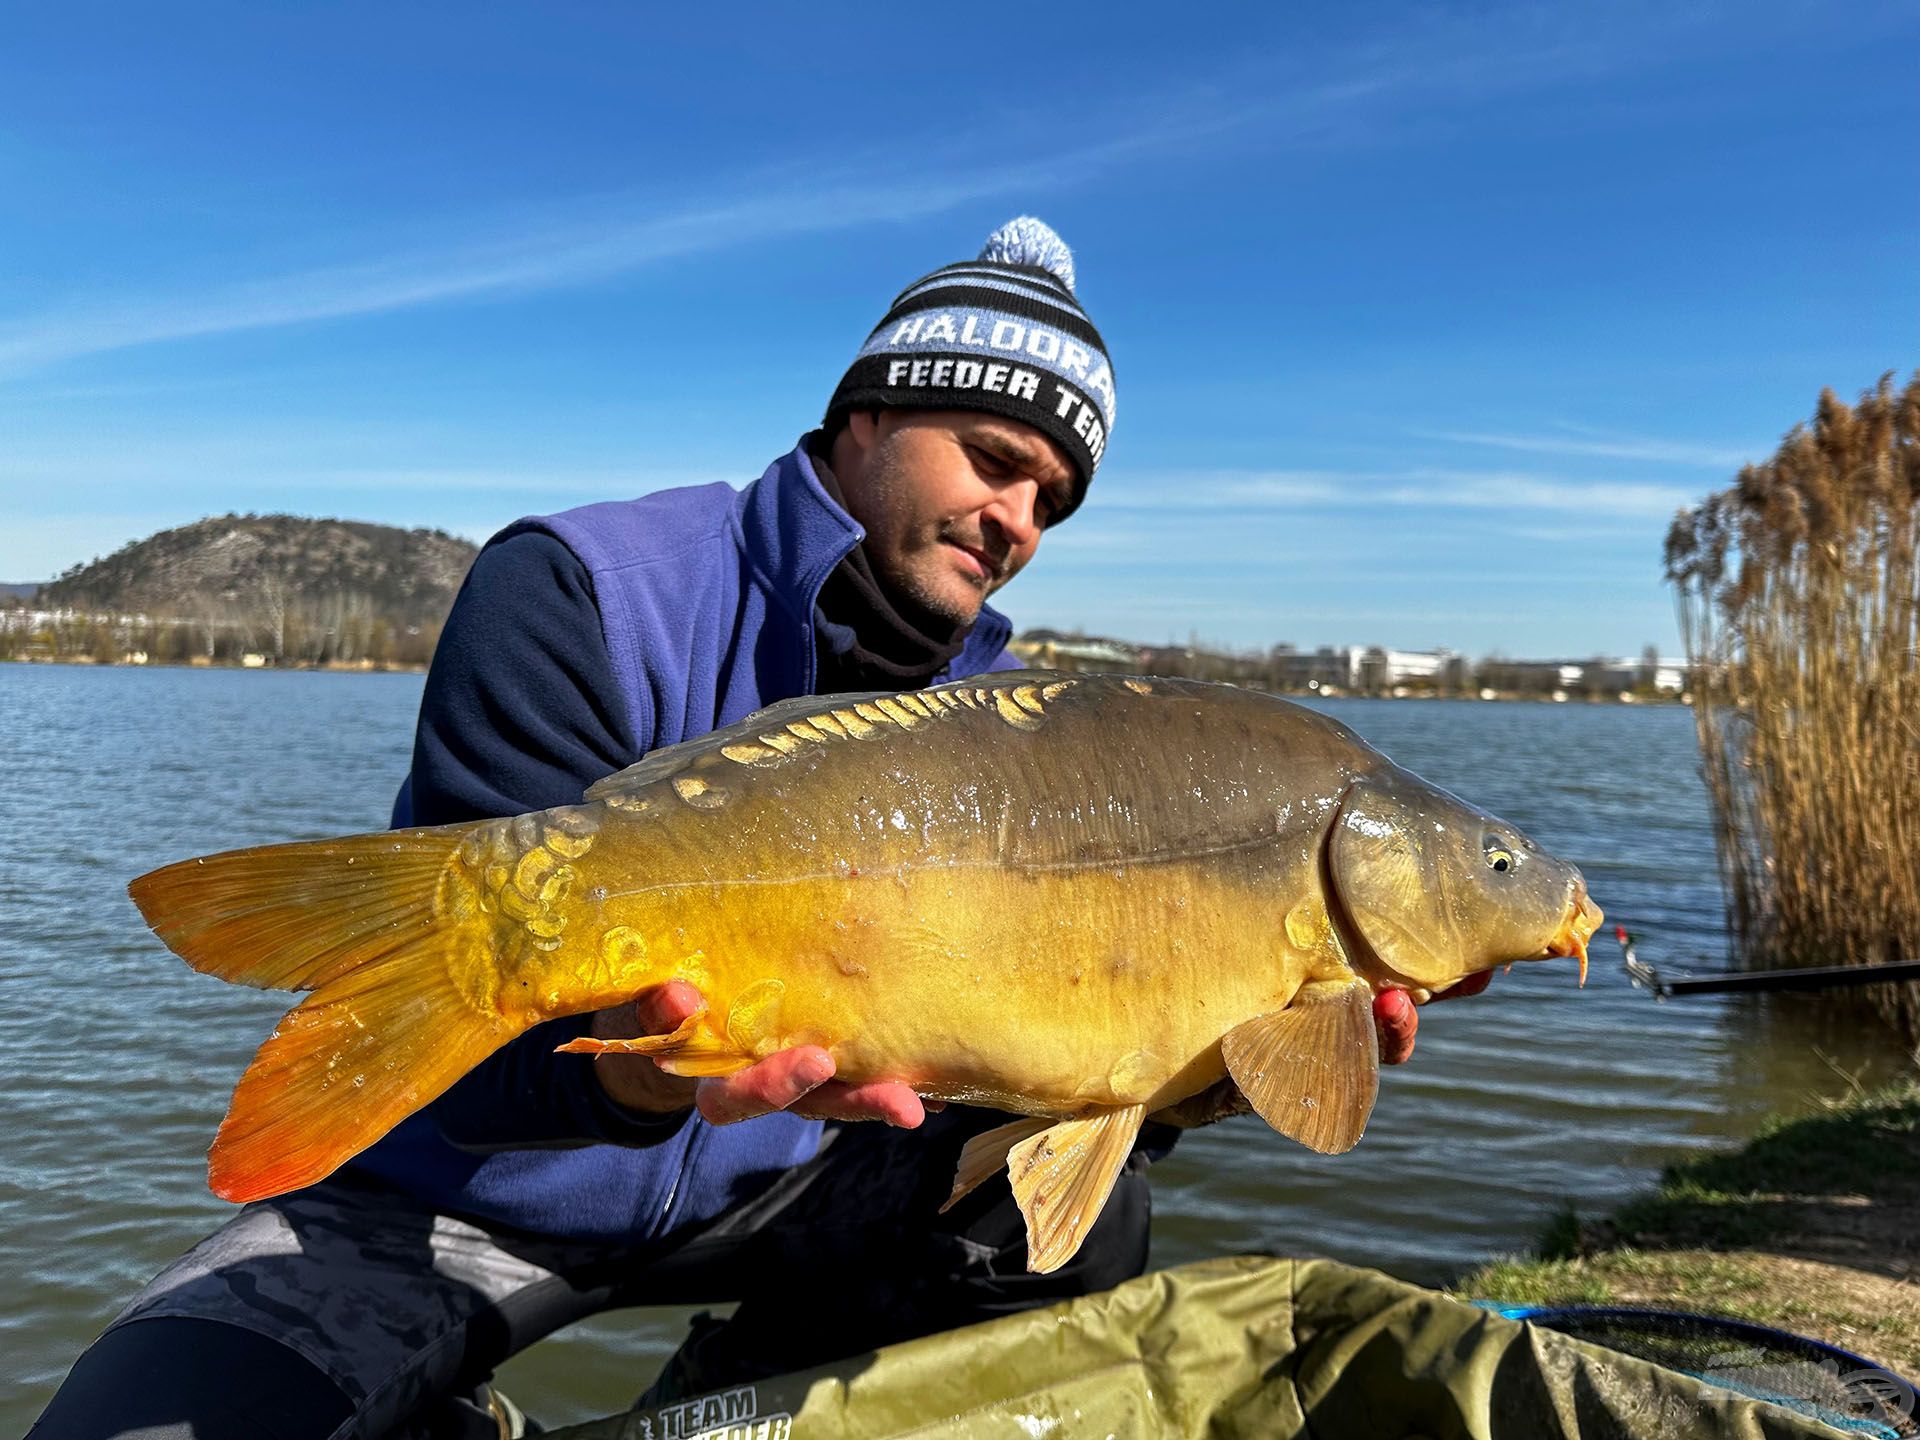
x=1040, y=991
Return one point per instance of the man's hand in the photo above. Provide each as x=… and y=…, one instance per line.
x=1398, y=1021
x=799, y=1080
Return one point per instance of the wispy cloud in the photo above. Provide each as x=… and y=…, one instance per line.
x=593, y=240
x=1415, y=488
x=507, y=480
x=1589, y=532
x=1222, y=489
x=551, y=255
x=596, y=239
x=1576, y=440
x=1477, y=490
x=73, y=493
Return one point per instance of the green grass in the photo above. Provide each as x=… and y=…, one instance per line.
x=1537, y=1282
x=1665, y=1243
x=1689, y=1279
x=1866, y=1146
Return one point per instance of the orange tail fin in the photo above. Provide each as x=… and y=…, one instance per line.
x=386, y=1029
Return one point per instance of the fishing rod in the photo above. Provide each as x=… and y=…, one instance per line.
x=1817, y=977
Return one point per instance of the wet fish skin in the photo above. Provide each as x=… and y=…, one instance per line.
x=1079, y=907
x=1054, y=895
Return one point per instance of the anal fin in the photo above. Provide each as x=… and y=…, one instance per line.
x=1061, y=1179
x=985, y=1156
x=1311, y=1071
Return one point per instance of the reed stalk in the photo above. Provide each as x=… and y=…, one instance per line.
x=1799, y=603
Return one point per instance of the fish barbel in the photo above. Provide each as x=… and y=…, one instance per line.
x=1083, y=900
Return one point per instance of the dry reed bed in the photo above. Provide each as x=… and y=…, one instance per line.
x=1799, y=605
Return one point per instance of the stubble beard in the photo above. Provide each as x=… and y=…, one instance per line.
x=925, y=592
x=914, y=582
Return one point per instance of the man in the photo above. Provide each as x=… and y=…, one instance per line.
x=542, y=1188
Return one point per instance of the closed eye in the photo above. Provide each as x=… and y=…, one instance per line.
x=1050, y=499
x=988, y=463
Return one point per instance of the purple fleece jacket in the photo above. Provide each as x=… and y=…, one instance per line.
x=705, y=602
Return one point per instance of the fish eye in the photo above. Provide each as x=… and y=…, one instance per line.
x=1499, y=856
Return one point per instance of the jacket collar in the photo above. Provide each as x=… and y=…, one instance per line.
x=794, y=535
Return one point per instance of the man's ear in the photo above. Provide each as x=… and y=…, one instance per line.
x=853, y=442
x=864, y=427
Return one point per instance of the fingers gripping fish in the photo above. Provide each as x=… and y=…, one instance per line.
x=1084, y=900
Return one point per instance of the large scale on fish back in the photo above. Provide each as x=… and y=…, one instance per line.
x=1081, y=899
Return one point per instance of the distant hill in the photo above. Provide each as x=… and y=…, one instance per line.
x=253, y=590
x=16, y=590
x=406, y=577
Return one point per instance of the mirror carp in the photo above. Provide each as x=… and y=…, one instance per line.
x=1085, y=900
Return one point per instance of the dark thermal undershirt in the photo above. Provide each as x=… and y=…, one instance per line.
x=866, y=637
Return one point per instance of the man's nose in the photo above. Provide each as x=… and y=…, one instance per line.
x=1013, y=511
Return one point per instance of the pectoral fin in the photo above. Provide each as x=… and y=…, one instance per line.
x=692, y=1050
x=1061, y=1179
x=638, y=1044
x=1311, y=1070
x=985, y=1156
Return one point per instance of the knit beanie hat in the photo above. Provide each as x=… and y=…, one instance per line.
x=1004, y=334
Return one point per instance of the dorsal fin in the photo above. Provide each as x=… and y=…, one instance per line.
x=789, y=727
x=654, y=765
x=670, y=760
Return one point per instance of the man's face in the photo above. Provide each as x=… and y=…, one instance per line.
x=953, y=501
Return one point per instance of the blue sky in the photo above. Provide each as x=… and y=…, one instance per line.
x=1425, y=318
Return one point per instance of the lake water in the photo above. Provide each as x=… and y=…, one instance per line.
x=116, y=1061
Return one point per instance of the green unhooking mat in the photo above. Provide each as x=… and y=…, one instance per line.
x=1247, y=1347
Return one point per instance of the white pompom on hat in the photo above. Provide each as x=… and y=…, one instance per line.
x=1025, y=240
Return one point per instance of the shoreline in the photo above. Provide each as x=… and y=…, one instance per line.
x=1661, y=701
x=1812, y=1226
x=87, y=662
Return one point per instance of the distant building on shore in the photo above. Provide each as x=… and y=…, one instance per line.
x=1368, y=670
x=1327, y=668
x=1394, y=672
x=1651, y=674
x=1363, y=669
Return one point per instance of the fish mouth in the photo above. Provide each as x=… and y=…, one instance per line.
x=1583, y=918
